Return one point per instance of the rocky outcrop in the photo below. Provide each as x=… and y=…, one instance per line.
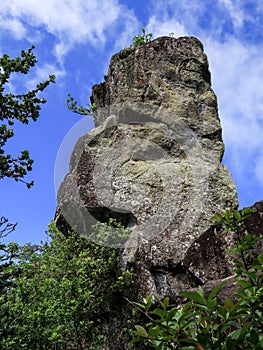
x=170, y=73
x=153, y=163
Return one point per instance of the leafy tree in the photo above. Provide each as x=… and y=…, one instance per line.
x=61, y=294
x=5, y=258
x=21, y=107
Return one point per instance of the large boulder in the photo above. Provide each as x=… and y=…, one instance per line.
x=153, y=162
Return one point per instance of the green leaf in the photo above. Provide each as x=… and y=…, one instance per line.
x=194, y=297
x=245, y=329
x=171, y=314
x=237, y=215
x=244, y=284
x=134, y=340
x=227, y=215
x=148, y=302
x=155, y=331
x=239, y=333
x=260, y=259
x=216, y=217
x=229, y=305
x=250, y=274
x=216, y=290
x=166, y=303
x=141, y=331
x=211, y=304
x=246, y=212
x=158, y=312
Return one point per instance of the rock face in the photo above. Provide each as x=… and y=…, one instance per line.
x=254, y=225
x=170, y=73
x=153, y=162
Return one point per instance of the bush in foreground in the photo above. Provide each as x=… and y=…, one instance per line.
x=204, y=324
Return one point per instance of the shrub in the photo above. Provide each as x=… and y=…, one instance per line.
x=60, y=293
x=204, y=324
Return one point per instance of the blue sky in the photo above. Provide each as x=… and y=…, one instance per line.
x=75, y=39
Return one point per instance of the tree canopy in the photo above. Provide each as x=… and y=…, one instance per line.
x=58, y=293
x=21, y=107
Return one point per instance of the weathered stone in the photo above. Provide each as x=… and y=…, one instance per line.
x=153, y=163
x=172, y=74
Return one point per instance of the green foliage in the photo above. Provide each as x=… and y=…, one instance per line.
x=72, y=106
x=141, y=39
x=5, y=227
x=5, y=258
x=203, y=323
x=59, y=293
x=110, y=234
x=233, y=220
x=22, y=107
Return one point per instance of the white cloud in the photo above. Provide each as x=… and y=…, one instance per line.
x=259, y=5
x=235, y=11
x=236, y=71
x=124, y=31
x=164, y=28
x=41, y=73
x=69, y=21
x=210, y=18
x=15, y=27
x=177, y=17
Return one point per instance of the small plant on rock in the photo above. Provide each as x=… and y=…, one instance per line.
x=141, y=39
